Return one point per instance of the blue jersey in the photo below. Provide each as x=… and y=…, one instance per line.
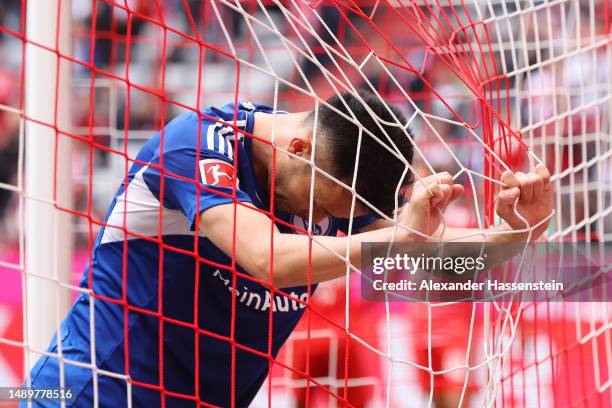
x=149, y=245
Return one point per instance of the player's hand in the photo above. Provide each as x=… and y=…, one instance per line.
x=428, y=202
x=534, y=193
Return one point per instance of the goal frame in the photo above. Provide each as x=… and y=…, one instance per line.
x=48, y=230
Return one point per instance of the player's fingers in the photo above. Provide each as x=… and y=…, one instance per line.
x=429, y=179
x=543, y=172
x=421, y=197
x=441, y=197
x=447, y=192
x=538, y=185
x=444, y=178
x=505, y=206
x=423, y=184
x=525, y=186
x=436, y=178
x=509, y=179
x=508, y=197
x=505, y=200
x=437, y=194
x=457, y=191
x=436, y=188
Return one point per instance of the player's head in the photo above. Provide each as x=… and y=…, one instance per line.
x=381, y=162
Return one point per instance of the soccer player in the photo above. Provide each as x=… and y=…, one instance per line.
x=169, y=309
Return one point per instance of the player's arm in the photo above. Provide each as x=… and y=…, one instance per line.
x=254, y=242
x=532, y=193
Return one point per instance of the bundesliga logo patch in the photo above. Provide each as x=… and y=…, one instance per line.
x=217, y=173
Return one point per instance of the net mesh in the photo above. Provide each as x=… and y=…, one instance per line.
x=486, y=86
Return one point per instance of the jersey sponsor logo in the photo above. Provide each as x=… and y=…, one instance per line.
x=322, y=228
x=261, y=300
x=216, y=172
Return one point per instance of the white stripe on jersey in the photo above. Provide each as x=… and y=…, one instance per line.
x=141, y=210
x=226, y=129
x=230, y=151
x=214, y=134
x=221, y=141
x=229, y=131
x=239, y=123
x=210, y=138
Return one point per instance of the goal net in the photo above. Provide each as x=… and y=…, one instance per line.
x=485, y=85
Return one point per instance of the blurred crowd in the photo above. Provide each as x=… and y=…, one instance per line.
x=9, y=122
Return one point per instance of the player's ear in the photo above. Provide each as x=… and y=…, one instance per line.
x=300, y=147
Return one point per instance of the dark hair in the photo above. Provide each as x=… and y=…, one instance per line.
x=379, y=171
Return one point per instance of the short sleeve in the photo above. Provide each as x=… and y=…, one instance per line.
x=194, y=180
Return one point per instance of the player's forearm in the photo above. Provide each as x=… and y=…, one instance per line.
x=500, y=233
x=254, y=242
x=453, y=234
x=297, y=261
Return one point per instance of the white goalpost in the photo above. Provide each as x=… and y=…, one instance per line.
x=48, y=231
